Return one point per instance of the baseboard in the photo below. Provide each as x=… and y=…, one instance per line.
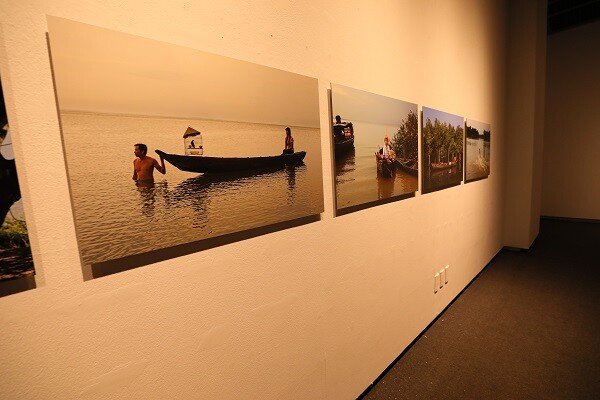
x=569, y=219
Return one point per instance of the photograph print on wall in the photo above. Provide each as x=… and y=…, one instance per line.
x=477, y=151
x=442, y=140
x=375, y=140
x=214, y=145
x=16, y=262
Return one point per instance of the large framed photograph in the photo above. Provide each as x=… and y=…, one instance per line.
x=215, y=146
x=442, y=159
x=16, y=263
x=477, y=153
x=375, y=140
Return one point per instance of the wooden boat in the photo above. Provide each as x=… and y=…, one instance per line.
x=443, y=165
x=205, y=164
x=343, y=144
x=343, y=136
x=408, y=165
x=385, y=167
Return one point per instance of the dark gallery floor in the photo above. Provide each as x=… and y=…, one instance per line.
x=526, y=328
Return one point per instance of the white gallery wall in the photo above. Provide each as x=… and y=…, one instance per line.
x=525, y=121
x=571, y=187
x=313, y=312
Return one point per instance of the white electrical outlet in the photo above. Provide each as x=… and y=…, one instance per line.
x=446, y=273
x=436, y=283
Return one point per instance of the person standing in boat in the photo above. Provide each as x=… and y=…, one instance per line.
x=386, y=153
x=143, y=165
x=289, y=142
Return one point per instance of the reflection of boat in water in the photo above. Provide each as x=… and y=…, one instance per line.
x=198, y=182
x=205, y=186
x=385, y=185
x=203, y=194
x=205, y=164
x=408, y=165
x=443, y=165
x=345, y=162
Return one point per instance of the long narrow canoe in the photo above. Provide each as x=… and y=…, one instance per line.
x=443, y=165
x=230, y=164
x=408, y=165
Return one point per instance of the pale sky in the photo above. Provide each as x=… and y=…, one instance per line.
x=105, y=71
x=442, y=116
x=353, y=104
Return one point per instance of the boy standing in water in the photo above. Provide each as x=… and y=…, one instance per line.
x=143, y=166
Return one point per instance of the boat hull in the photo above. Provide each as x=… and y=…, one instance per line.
x=408, y=166
x=385, y=168
x=230, y=164
x=441, y=166
x=344, y=145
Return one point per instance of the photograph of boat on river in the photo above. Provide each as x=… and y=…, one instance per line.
x=477, y=156
x=442, y=139
x=16, y=261
x=367, y=172
x=217, y=127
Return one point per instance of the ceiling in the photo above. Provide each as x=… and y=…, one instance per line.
x=566, y=14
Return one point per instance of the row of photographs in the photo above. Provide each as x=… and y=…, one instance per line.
x=198, y=149
x=376, y=149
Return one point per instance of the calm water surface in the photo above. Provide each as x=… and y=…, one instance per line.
x=440, y=179
x=116, y=218
x=478, y=158
x=357, y=180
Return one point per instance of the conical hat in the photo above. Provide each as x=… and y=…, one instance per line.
x=190, y=132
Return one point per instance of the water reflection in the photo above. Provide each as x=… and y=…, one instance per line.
x=478, y=158
x=345, y=163
x=359, y=179
x=385, y=183
x=290, y=171
x=148, y=191
x=203, y=193
x=442, y=178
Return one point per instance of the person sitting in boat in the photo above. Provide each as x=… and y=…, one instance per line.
x=289, y=142
x=143, y=165
x=386, y=153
